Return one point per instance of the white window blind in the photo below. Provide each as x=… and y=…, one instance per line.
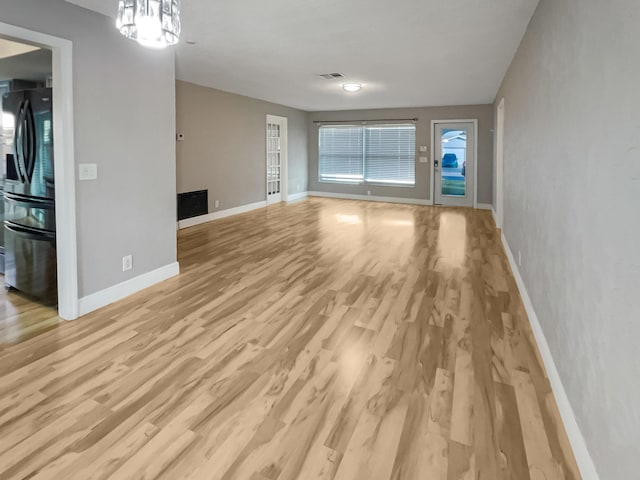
x=341, y=154
x=383, y=154
x=390, y=153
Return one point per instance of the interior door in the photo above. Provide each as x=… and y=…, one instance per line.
x=454, y=164
x=276, y=158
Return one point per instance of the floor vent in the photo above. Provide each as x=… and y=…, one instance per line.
x=193, y=204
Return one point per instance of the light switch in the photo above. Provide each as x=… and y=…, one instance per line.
x=424, y=159
x=88, y=171
x=423, y=148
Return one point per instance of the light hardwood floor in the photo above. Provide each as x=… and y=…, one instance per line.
x=325, y=339
x=22, y=318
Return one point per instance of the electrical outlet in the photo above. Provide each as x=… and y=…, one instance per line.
x=127, y=263
x=298, y=188
x=217, y=204
x=423, y=148
x=519, y=258
x=368, y=192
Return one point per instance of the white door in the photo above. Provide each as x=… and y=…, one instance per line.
x=276, y=158
x=454, y=163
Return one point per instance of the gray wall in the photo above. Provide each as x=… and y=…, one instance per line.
x=225, y=143
x=572, y=207
x=484, y=114
x=35, y=66
x=124, y=107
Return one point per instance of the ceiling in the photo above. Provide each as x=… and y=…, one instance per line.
x=24, y=62
x=406, y=53
x=10, y=48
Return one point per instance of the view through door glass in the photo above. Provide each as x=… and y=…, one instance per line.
x=453, y=164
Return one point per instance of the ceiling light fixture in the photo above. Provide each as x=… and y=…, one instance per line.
x=352, y=87
x=152, y=23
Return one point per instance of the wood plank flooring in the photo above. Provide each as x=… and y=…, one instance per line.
x=21, y=318
x=326, y=339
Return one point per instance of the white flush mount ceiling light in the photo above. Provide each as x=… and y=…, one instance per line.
x=152, y=23
x=352, y=87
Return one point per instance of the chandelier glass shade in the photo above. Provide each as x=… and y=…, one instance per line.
x=152, y=23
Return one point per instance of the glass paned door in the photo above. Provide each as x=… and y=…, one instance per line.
x=454, y=164
x=276, y=157
x=273, y=159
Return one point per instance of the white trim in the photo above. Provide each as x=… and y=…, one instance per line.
x=64, y=163
x=500, y=165
x=475, y=158
x=284, y=157
x=372, y=198
x=583, y=458
x=495, y=218
x=129, y=287
x=432, y=166
x=475, y=163
x=484, y=206
x=190, y=222
x=297, y=196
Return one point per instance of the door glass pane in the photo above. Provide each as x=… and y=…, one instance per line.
x=453, y=164
x=273, y=158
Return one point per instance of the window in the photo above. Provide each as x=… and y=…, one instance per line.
x=382, y=154
x=390, y=154
x=341, y=154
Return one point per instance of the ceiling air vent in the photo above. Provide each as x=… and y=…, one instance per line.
x=331, y=76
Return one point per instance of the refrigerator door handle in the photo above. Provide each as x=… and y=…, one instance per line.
x=30, y=233
x=30, y=158
x=31, y=202
x=18, y=142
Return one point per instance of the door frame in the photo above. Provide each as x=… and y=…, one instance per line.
x=475, y=156
x=64, y=162
x=500, y=165
x=284, y=155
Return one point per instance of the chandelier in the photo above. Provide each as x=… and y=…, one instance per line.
x=152, y=23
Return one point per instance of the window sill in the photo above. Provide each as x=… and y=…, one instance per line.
x=340, y=182
x=372, y=184
x=394, y=185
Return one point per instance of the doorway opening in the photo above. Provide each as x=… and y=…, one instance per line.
x=454, y=162
x=57, y=129
x=276, y=168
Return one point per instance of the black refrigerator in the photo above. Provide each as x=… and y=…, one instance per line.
x=29, y=194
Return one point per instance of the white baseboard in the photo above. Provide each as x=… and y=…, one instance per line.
x=484, y=206
x=190, y=222
x=372, y=198
x=117, y=292
x=495, y=217
x=297, y=196
x=583, y=458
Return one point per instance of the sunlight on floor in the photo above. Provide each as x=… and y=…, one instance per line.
x=350, y=219
x=452, y=238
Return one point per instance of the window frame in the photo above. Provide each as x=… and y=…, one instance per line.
x=364, y=156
